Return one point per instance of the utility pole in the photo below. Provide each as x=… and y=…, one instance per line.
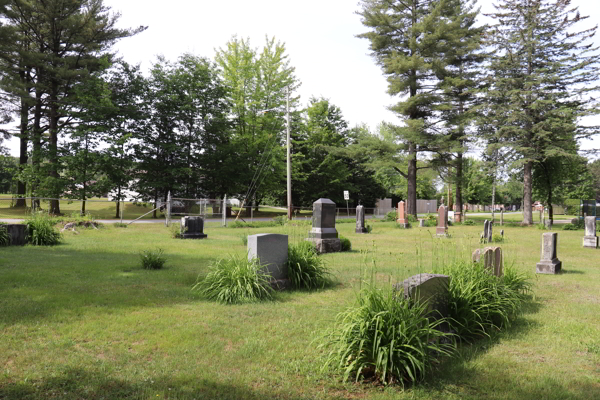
x=289, y=161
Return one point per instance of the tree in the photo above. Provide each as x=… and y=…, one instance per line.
x=409, y=40
x=542, y=76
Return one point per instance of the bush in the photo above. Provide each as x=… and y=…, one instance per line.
x=468, y=222
x=572, y=206
x=4, y=236
x=346, y=243
x=497, y=238
x=480, y=302
x=280, y=220
x=306, y=270
x=431, y=223
x=152, y=259
x=120, y=225
x=176, y=231
x=244, y=238
x=386, y=338
x=411, y=218
x=41, y=231
x=235, y=280
x=390, y=216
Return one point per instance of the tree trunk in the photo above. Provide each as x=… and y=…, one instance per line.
x=411, y=181
x=527, y=212
x=53, y=150
x=155, y=203
x=23, y=157
x=36, y=159
x=459, y=178
x=118, y=215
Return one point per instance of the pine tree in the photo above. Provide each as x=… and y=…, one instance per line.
x=541, y=83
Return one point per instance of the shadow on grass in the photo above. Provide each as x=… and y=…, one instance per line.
x=79, y=383
x=571, y=271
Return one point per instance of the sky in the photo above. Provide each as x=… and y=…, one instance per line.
x=320, y=39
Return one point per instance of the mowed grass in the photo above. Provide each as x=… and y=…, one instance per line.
x=83, y=320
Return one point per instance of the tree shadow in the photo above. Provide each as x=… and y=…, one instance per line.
x=571, y=271
x=80, y=383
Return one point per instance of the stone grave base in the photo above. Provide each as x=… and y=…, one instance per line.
x=194, y=235
x=327, y=245
x=405, y=225
x=590, y=241
x=441, y=232
x=548, y=267
x=361, y=230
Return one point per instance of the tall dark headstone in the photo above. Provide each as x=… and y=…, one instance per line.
x=192, y=228
x=323, y=233
x=360, y=220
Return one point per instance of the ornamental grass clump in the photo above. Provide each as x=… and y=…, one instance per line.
x=4, y=236
x=385, y=338
x=479, y=302
x=236, y=280
x=41, y=230
x=152, y=259
x=306, y=270
x=346, y=244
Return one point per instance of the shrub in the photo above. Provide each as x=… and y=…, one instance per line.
x=152, y=259
x=497, y=238
x=431, y=222
x=280, y=220
x=346, y=243
x=370, y=228
x=235, y=280
x=4, y=236
x=390, y=216
x=580, y=224
x=41, y=230
x=306, y=270
x=468, y=222
x=244, y=238
x=411, y=218
x=480, y=302
x=120, y=225
x=386, y=338
x=176, y=231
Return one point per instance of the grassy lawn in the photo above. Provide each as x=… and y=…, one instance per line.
x=82, y=320
x=515, y=216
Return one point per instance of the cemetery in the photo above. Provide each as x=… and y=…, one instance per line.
x=91, y=320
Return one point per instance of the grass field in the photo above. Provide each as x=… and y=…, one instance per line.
x=82, y=320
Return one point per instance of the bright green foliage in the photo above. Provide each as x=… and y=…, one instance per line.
x=236, y=280
x=481, y=303
x=346, y=243
x=120, y=225
x=41, y=230
x=152, y=259
x=4, y=236
x=306, y=270
x=8, y=172
x=386, y=338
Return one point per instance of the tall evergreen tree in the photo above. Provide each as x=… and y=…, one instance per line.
x=542, y=76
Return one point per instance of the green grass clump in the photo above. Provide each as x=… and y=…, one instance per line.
x=346, y=243
x=385, y=338
x=4, y=236
x=468, y=222
x=390, y=216
x=152, y=259
x=497, y=238
x=235, y=280
x=306, y=270
x=120, y=225
x=41, y=230
x=480, y=302
x=255, y=224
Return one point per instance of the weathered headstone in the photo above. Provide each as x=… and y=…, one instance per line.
x=360, y=220
x=590, y=239
x=502, y=232
x=323, y=233
x=429, y=288
x=549, y=263
x=17, y=234
x=442, y=224
x=272, y=252
x=421, y=223
x=548, y=223
x=401, y=215
x=487, y=231
x=492, y=259
x=192, y=228
x=458, y=216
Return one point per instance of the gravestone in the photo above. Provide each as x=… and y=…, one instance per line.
x=401, y=215
x=421, y=223
x=487, y=231
x=442, y=225
x=272, y=252
x=548, y=223
x=323, y=233
x=458, y=216
x=360, y=220
x=427, y=288
x=192, y=228
x=590, y=239
x=492, y=259
x=17, y=234
x=502, y=232
x=549, y=263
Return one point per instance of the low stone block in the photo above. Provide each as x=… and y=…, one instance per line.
x=590, y=242
x=272, y=252
x=192, y=228
x=17, y=233
x=421, y=223
x=427, y=288
x=326, y=245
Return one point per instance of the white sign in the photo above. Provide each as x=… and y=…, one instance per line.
x=346, y=195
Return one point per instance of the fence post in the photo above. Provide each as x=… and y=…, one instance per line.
x=224, y=208
x=168, y=210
